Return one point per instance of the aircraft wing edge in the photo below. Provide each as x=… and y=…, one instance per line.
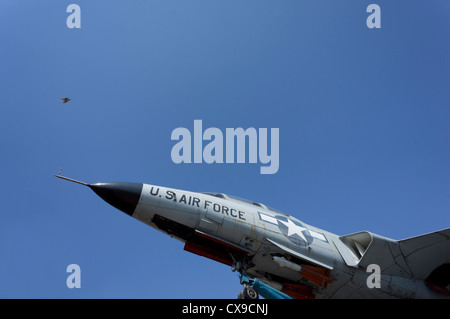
x=426, y=252
x=300, y=255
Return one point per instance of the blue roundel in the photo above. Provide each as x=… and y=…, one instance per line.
x=295, y=231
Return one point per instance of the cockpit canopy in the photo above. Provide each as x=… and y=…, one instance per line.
x=243, y=200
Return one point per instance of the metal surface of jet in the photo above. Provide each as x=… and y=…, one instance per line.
x=278, y=254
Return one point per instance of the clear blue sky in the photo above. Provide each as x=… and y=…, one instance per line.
x=363, y=114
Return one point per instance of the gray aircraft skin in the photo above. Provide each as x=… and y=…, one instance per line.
x=298, y=259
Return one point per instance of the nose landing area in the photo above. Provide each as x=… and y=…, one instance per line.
x=123, y=196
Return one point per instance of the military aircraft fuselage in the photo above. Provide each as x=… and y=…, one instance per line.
x=299, y=259
x=245, y=227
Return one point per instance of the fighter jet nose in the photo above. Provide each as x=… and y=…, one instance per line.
x=123, y=196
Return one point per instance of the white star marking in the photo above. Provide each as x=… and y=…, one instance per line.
x=294, y=229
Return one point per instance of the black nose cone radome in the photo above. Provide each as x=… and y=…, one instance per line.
x=123, y=196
